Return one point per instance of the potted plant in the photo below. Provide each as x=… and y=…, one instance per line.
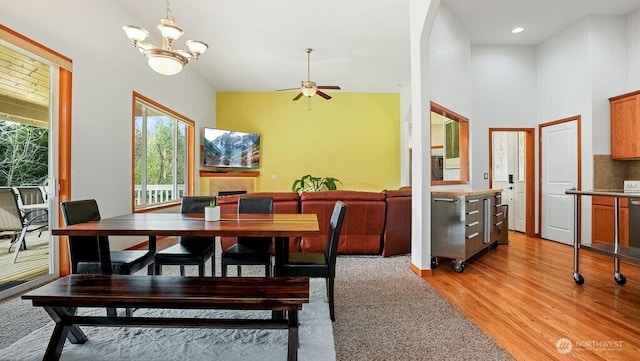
x=309, y=183
x=212, y=212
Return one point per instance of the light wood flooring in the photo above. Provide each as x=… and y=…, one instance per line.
x=524, y=297
x=31, y=263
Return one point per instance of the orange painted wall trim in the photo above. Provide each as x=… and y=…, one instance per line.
x=420, y=272
x=64, y=162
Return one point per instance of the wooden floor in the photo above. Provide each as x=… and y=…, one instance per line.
x=524, y=297
x=31, y=263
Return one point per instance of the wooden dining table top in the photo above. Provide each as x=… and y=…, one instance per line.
x=171, y=224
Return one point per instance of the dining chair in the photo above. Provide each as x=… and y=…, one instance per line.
x=190, y=250
x=18, y=223
x=84, y=252
x=319, y=264
x=250, y=250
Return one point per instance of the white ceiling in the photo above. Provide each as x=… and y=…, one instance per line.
x=361, y=45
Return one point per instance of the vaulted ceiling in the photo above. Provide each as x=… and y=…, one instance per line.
x=257, y=45
x=361, y=45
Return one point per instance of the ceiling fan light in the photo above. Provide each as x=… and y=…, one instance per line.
x=135, y=33
x=197, y=47
x=308, y=92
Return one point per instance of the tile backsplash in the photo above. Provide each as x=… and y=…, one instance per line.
x=611, y=174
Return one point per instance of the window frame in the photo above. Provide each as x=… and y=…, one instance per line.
x=190, y=150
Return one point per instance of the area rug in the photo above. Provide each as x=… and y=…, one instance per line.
x=132, y=343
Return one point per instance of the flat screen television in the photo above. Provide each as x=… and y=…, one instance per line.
x=230, y=149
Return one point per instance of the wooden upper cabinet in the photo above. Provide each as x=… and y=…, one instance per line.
x=625, y=126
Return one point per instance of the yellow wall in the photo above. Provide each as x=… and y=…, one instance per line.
x=354, y=137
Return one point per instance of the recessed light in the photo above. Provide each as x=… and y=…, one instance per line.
x=519, y=29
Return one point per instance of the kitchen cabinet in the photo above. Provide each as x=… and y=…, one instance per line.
x=625, y=126
x=602, y=220
x=464, y=223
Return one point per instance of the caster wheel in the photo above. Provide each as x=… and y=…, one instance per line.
x=578, y=279
x=494, y=245
x=620, y=279
x=458, y=266
x=434, y=262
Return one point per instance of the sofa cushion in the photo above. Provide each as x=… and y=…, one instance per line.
x=363, y=224
x=396, y=238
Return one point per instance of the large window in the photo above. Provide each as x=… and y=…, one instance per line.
x=163, y=149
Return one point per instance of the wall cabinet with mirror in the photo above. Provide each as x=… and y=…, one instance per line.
x=449, y=146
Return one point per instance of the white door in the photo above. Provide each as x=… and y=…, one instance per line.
x=517, y=158
x=559, y=173
x=508, y=174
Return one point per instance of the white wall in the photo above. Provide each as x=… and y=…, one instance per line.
x=450, y=63
x=106, y=70
x=503, y=88
x=450, y=74
x=633, y=53
x=608, y=52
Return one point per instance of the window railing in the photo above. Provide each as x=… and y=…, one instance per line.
x=159, y=193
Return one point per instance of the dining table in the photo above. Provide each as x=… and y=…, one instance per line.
x=152, y=225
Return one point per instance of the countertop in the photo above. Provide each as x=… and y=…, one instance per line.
x=466, y=193
x=604, y=192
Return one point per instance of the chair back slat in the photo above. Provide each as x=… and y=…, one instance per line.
x=10, y=218
x=262, y=205
x=335, y=227
x=32, y=195
x=81, y=248
x=255, y=205
x=195, y=204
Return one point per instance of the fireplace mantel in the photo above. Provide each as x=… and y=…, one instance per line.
x=208, y=173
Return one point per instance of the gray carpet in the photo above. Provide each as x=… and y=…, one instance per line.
x=385, y=312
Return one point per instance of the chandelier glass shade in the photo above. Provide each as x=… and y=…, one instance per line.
x=163, y=59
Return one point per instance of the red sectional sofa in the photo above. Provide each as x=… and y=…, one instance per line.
x=396, y=238
x=375, y=223
x=363, y=223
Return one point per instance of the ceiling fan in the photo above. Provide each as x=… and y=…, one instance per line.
x=309, y=88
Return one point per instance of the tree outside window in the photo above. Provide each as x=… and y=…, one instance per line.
x=24, y=154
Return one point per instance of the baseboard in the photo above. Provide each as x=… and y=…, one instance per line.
x=420, y=272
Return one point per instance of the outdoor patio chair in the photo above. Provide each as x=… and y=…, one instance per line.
x=17, y=223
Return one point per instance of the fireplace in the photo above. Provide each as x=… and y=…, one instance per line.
x=229, y=193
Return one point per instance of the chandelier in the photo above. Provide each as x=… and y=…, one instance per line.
x=164, y=59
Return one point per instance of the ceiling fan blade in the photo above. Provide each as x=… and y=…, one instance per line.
x=324, y=95
x=329, y=87
x=280, y=90
x=298, y=96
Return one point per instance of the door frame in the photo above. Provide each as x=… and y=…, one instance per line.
x=578, y=120
x=529, y=173
x=60, y=146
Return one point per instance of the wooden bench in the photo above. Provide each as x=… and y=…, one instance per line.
x=62, y=298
